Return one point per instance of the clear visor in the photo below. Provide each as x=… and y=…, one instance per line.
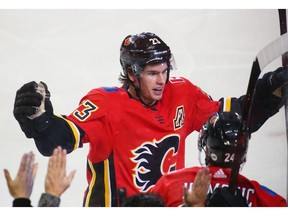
x=137, y=69
x=172, y=63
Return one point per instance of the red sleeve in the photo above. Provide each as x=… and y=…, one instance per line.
x=258, y=195
x=204, y=107
x=200, y=104
x=267, y=197
x=92, y=116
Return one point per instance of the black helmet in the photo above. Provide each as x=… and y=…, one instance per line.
x=143, y=49
x=218, y=138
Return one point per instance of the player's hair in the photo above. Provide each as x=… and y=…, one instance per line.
x=144, y=200
x=143, y=49
x=218, y=139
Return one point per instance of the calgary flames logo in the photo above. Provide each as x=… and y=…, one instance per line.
x=154, y=159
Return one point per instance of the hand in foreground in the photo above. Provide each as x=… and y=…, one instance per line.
x=197, y=196
x=22, y=185
x=56, y=181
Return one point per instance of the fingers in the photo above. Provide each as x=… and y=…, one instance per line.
x=25, y=110
x=63, y=158
x=35, y=169
x=27, y=99
x=7, y=176
x=202, y=179
x=22, y=184
x=22, y=166
x=28, y=87
x=197, y=196
x=200, y=186
x=29, y=169
x=56, y=181
x=27, y=95
x=58, y=158
x=186, y=193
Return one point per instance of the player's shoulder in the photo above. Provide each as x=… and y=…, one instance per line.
x=180, y=85
x=104, y=94
x=185, y=170
x=105, y=91
x=178, y=80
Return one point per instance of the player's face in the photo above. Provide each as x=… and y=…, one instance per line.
x=152, y=82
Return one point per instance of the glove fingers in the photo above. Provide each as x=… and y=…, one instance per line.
x=25, y=110
x=278, y=78
x=28, y=99
x=29, y=105
x=28, y=87
x=283, y=75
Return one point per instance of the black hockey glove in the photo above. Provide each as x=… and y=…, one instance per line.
x=267, y=98
x=31, y=101
x=268, y=86
x=223, y=197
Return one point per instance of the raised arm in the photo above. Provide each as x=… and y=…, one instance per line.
x=34, y=112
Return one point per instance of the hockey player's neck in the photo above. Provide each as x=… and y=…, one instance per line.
x=147, y=103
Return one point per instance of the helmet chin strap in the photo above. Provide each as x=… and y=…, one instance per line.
x=137, y=90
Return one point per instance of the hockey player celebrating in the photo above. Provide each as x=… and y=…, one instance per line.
x=218, y=139
x=136, y=132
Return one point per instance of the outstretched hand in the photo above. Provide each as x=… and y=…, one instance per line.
x=56, y=181
x=22, y=185
x=198, y=195
x=31, y=101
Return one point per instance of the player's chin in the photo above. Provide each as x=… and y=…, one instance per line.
x=157, y=97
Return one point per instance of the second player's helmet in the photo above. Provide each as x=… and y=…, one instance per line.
x=218, y=138
x=143, y=49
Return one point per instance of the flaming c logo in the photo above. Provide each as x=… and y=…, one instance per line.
x=153, y=159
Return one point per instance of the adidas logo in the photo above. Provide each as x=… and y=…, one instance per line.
x=219, y=174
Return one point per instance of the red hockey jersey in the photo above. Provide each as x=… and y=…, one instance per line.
x=131, y=145
x=170, y=187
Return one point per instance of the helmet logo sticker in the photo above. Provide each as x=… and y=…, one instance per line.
x=214, y=157
x=127, y=41
x=154, y=41
x=213, y=119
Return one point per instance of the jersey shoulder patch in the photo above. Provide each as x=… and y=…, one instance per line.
x=174, y=80
x=110, y=89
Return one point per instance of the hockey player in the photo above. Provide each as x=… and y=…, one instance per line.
x=136, y=132
x=218, y=139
